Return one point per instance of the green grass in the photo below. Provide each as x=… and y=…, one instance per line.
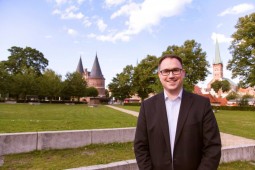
x=70, y=158
x=240, y=123
x=86, y=156
x=50, y=117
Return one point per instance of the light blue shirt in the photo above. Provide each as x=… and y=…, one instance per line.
x=172, y=110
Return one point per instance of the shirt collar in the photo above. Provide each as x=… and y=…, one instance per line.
x=179, y=95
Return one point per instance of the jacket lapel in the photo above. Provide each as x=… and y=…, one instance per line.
x=163, y=120
x=184, y=110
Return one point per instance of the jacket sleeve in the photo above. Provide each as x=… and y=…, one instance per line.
x=211, y=141
x=141, y=143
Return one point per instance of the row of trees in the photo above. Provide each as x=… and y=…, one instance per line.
x=143, y=80
x=25, y=74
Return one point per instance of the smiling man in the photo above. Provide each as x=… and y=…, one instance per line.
x=176, y=130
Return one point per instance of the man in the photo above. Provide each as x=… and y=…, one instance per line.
x=176, y=130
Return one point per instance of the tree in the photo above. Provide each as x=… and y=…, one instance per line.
x=74, y=85
x=194, y=62
x=23, y=84
x=243, y=51
x=121, y=85
x=225, y=86
x=145, y=77
x=232, y=95
x=216, y=85
x=4, y=80
x=22, y=59
x=91, y=92
x=50, y=84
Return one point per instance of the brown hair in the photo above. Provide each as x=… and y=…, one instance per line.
x=171, y=56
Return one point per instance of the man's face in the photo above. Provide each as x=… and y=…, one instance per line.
x=173, y=82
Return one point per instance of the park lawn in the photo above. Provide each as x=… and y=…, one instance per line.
x=86, y=156
x=239, y=123
x=54, y=117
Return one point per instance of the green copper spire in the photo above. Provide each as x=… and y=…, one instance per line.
x=217, y=59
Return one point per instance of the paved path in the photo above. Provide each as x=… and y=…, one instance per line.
x=226, y=139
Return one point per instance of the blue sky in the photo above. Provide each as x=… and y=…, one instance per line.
x=121, y=32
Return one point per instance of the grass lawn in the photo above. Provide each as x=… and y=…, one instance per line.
x=86, y=156
x=24, y=117
x=240, y=123
x=50, y=117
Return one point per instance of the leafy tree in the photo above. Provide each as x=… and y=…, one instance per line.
x=4, y=80
x=145, y=77
x=247, y=96
x=232, y=95
x=121, y=85
x=216, y=85
x=91, y=92
x=194, y=62
x=243, y=51
x=74, y=85
x=24, y=84
x=22, y=59
x=50, y=84
x=225, y=86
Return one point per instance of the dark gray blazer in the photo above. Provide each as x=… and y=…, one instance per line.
x=197, y=141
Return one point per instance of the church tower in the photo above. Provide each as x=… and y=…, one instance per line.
x=217, y=64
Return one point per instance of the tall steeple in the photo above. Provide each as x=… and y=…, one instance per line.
x=79, y=68
x=96, y=70
x=217, y=59
x=217, y=64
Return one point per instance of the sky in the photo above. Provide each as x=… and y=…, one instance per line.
x=119, y=32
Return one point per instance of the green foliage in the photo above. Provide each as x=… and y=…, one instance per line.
x=74, y=85
x=194, y=62
x=145, y=77
x=121, y=85
x=91, y=92
x=22, y=59
x=50, y=84
x=234, y=108
x=223, y=85
x=243, y=51
x=232, y=95
x=25, y=83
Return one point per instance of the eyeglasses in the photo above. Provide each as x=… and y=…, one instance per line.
x=175, y=71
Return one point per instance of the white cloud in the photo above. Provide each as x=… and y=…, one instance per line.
x=219, y=25
x=72, y=32
x=60, y=2
x=101, y=25
x=126, y=10
x=241, y=8
x=48, y=36
x=152, y=11
x=221, y=38
x=86, y=22
x=113, y=2
x=142, y=17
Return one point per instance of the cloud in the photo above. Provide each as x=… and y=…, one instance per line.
x=48, y=36
x=221, y=38
x=241, y=8
x=110, y=3
x=69, y=13
x=72, y=32
x=126, y=10
x=101, y=25
x=86, y=22
x=142, y=17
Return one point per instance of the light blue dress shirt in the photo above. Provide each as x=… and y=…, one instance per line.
x=172, y=110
